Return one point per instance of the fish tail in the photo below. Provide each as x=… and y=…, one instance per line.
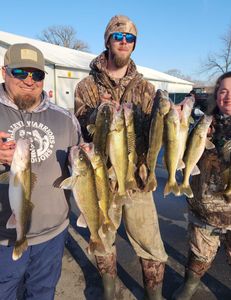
x=108, y=226
x=131, y=184
x=151, y=183
x=186, y=190
x=227, y=197
x=143, y=173
x=122, y=191
x=171, y=188
x=19, y=248
x=96, y=245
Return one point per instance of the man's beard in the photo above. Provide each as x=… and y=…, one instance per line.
x=120, y=61
x=25, y=102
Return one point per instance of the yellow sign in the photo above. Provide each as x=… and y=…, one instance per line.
x=69, y=74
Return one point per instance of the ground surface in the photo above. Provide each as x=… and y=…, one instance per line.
x=80, y=279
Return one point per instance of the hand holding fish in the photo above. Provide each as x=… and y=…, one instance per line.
x=6, y=149
x=107, y=98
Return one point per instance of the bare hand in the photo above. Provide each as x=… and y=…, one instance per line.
x=6, y=149
x=106, y=97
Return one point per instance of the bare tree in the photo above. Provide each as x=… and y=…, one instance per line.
x=196, y=82
x=177, y=73
x=218, y=63
x=63, y=36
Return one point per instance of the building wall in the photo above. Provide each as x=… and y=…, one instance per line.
x=60, y=82
x=66, y=81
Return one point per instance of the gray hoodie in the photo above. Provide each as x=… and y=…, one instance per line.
x=52, y=130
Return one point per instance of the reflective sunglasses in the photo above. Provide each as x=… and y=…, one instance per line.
x=21, y=74
x=118, y=36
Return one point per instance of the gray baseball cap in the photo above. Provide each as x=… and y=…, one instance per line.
x=24, y=56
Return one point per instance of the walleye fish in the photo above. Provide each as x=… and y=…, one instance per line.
x=118, y=149
x=102, y=185
x=100, y=129
x=172, y=141
x=186, y=120
x=82, y=184
x=131, y=141
x=156, y=137
x=20, y=184
x=197, y=142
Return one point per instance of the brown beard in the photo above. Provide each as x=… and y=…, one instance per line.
x=25, y=102
x=120, y=61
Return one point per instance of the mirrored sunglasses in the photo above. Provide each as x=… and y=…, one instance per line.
x=21, y=74
x=118, y=36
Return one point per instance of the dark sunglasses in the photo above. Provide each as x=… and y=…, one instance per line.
x=118, y=36
x=21, y=74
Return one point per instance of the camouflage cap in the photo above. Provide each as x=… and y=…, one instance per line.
x=119, y=23
x=24, y=56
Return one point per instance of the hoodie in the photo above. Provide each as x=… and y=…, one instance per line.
x=51, y=130
x=131, y=88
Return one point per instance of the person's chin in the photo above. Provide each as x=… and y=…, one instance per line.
x=227, y=112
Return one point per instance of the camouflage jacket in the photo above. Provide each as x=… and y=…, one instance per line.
x=90, y=90
x=209, y=202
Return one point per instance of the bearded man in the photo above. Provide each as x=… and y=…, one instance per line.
x=114, y=79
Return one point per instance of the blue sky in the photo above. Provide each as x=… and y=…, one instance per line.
x=172, y=34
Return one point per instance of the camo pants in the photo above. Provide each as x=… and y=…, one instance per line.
x=142, y=227
x=153, y=273
x=204, y=243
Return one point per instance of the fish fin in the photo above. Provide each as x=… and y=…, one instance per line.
x=186, y=190
x=91, y=129
x=122, y=190
x=227, y=194
x=19, y=248
x=111, y=227
x=143, y=173
x=17, y=179
x=195, y=171
x=108, y=226
x=11, y=223
x=191, y=120
x=112, y=174
x=151, y=184
x=102, y=208
x=81, y=222
x=171, y=188
x=5, y=178
x=67, y=183
x=33, y=180
x=58, y=181
x=209, y=144
x=181, y=165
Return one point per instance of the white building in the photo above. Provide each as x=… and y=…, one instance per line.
x=66, y=67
